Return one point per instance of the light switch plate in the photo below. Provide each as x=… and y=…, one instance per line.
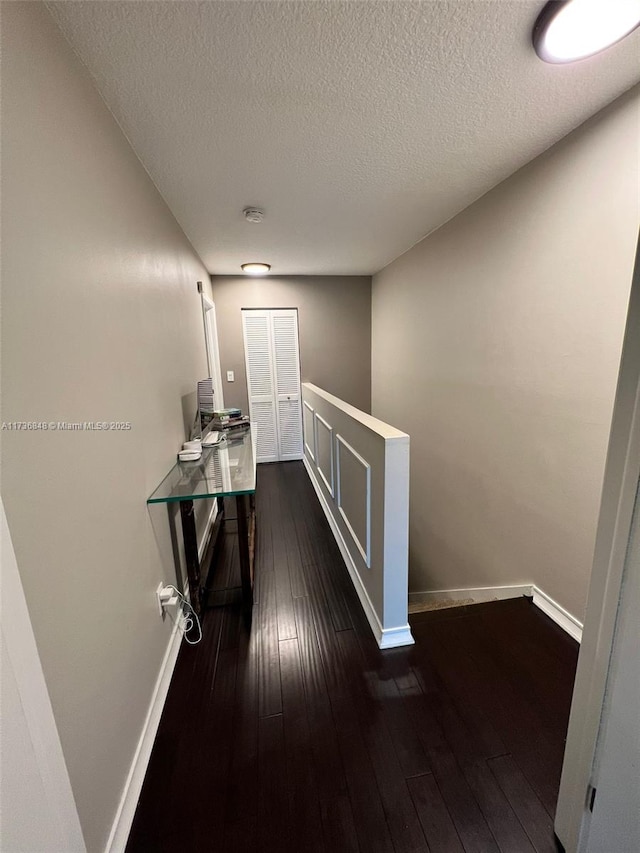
x=230, y=376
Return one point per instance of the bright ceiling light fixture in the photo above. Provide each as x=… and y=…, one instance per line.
x=568, y=30
x=255, y=268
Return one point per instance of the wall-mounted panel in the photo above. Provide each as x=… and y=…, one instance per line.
x=354, y=496
x=324, y=450
x=309, y=430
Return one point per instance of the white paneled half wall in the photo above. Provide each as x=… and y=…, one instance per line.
x=359, y=467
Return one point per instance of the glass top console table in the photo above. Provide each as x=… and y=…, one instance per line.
x=226, y=470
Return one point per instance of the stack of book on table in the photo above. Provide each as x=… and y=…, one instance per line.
x=229, y=419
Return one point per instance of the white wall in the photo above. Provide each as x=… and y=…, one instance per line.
x=101, y=320
x=496, y=343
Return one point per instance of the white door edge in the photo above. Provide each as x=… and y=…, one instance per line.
x=20, y=643
x=622, y=474
x=213, y=349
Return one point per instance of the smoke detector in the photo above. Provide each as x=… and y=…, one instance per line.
x=253, y=214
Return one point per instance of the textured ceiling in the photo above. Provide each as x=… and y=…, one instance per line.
x=359, y=126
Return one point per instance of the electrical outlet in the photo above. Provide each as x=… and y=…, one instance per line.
x=166, y=596
x=159, y=589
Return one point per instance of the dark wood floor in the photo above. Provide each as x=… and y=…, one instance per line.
x=301, y=735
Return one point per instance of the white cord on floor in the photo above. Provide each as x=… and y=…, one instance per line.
x=190, y=619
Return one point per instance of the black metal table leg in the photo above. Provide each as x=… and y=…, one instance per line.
x=245, y=533
x=191, y=552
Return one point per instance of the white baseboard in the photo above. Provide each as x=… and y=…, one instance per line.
x=131, y=792
x=388, y=638
x=391, y=638
x=478, y=594
x=492, y=593
x=559, y=615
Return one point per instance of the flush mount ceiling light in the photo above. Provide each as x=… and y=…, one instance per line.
x=568, y=30
x=255, y=268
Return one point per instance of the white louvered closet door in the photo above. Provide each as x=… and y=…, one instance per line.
x=273, y=380
x=286, y=360
x=260, y=386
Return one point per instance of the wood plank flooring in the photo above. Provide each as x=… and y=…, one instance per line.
x=297, y=733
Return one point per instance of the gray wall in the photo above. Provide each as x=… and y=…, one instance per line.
x=101, y=320
x=334, y=317
x=496, y=343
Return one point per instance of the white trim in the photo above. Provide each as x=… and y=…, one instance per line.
x=311, y=451
x=365, y=550
x=132, y=787
x=212, y=347
x=386, y=638
x=478, y=594
x=20, y=644
x=329, y=428
x=556, y=612
x=392, y=638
